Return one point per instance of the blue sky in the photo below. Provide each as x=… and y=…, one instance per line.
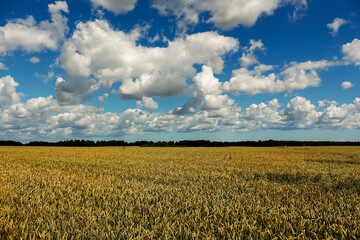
x=171, y=70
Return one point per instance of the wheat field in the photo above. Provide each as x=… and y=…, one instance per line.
x=179, y=193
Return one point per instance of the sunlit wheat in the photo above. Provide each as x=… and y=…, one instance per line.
x=179, y=193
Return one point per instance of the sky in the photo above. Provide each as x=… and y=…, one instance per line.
x=169, y=70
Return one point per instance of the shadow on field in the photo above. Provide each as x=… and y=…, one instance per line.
x=334, y=161
x=327, y=182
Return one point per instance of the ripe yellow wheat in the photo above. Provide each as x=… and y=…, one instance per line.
x=179, y=193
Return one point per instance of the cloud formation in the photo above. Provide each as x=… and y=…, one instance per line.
x=3, y=66
x=207, y=94
x=8, y=94
x=40, y=117
x=352, y=51
x=34, y=59
x=346, y=85
x=293, y=77
x=335, y=26
x=300, y=6
x=30, y=36
x=115, y=6
x=96, y=51
x=300, y=113
x=45, y=117
x=128, y=64
x=248, y=57
x=148, y=103
x=224, y=14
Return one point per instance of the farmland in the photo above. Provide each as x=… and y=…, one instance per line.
x=179, y=193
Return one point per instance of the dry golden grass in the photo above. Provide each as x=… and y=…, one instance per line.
x=179, y=193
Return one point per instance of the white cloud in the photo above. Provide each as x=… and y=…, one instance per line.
x=346, y=85
x=262, y=111
x=300, y=6
x=323, y=103
x=111, y=56
x=248, y=58
x=115, y=6
x=148, y=103
x=71, y=92
x=198, y=122
x=224, y=14
x=8, y=94
x=303, y=75
x=33, y=37
x=259, y=80
x=3, y=66
x=345, y=116
x=44, y=118
x=209, y=90
x=300, y=113
x=103, y=97
x=35, y=60
x=262, y=115
x=335, y=26
x=295, y=76
x=207, y=94
x=352, y=51
x=44, y=77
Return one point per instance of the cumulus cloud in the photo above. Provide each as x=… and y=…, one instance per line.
x=148, y=103
x=300, y=113
x=110, y=56
x=115, y=6
x=3, y=66
x=346, y=85
x=30, y=36
x=262, y=111
x=207, y=94
x=300, y=6
x=335, y=26
x=46, y=119
x=352, y=51
x=44, y=77
x=35, y=60
x=200, y=121
x=248, y=57
x=344, y=116
x=103, y=97
x=262, y=115
x=8, y=94
x=68, y=93
x=224, y=14
x=295, y=76
x=323, y=103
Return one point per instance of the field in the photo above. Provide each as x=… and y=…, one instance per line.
x=179, y=193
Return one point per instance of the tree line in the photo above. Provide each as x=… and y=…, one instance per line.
x=183, y=143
